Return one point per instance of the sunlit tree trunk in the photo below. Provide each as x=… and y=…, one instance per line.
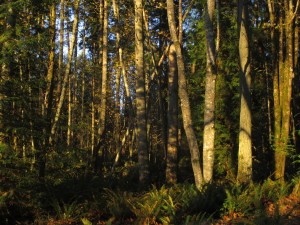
x=184, y=98
x=282, y=17
x=67, y=70
x=171, y=170
x=210, y=93
x=296, y=90
x=141, y=121
x=286, y=70
x=117, y=80
x=104, y=69
x=245, y=139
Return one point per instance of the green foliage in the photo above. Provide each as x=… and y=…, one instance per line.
x=176, y=204
x=85, y=221
x=118, y=203
x=253, y=198
x=200, y=218
x=65, y=210
x=156, y=205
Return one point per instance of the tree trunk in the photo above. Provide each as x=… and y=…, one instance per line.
x=67, y=70
x=283, y=74
x=184, y=98
x=61, y=44
x=104, y=69
x=171, y=170
x=141, y=121
x=286, y=75
x=245, y=140
x=210, y=93
x=48, y=98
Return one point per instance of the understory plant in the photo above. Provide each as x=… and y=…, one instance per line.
x=253, y=199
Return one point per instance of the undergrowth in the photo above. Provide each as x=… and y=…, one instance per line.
x=84, y=198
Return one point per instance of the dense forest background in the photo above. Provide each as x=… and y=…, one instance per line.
x=185, y=110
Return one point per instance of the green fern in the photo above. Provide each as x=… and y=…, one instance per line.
x=197, y=219
x=118, y=203
x=66, y=210
x=156, y=205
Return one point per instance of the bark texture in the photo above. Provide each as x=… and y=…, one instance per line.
x=141, y=121
x=184, y=98
x=210, y=93
x=245, y=140
x=171, y=170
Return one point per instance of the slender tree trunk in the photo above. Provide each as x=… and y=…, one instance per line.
x=69, y=111
x=104, y=81
x=48, y=98
x=141, y=120
x=245, y=139
x=104, y=69
x=210, y=93
x=93, y=131
x=184, y=98
x=171, y=170
x=218, y=35
x=67, y=70
x=61, y=44
x=117, y=128
x=296, y=90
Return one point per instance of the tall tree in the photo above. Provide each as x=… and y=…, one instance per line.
x=210, y=93
x=61, y=42
x=184, y=98
x=48, y=98
x=171, y=171
x=67, y=70
x=283, y=67
x=245, y=140
x=104, y=78
x=141, y=120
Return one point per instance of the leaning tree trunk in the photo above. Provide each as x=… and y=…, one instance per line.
x=210, y=94
x=141, y=121
x=67, y=70
x=184, y=98
x=245, y=140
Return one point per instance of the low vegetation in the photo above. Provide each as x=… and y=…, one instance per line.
x=73, y=195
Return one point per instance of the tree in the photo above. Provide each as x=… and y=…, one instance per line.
x=171, y=171
x=184, y=98
x=245, y=140
x=210, y=93
x=48, y=98
x=141, y=120
x=283, y=69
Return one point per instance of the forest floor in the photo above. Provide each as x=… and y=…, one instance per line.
x=285, y=212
